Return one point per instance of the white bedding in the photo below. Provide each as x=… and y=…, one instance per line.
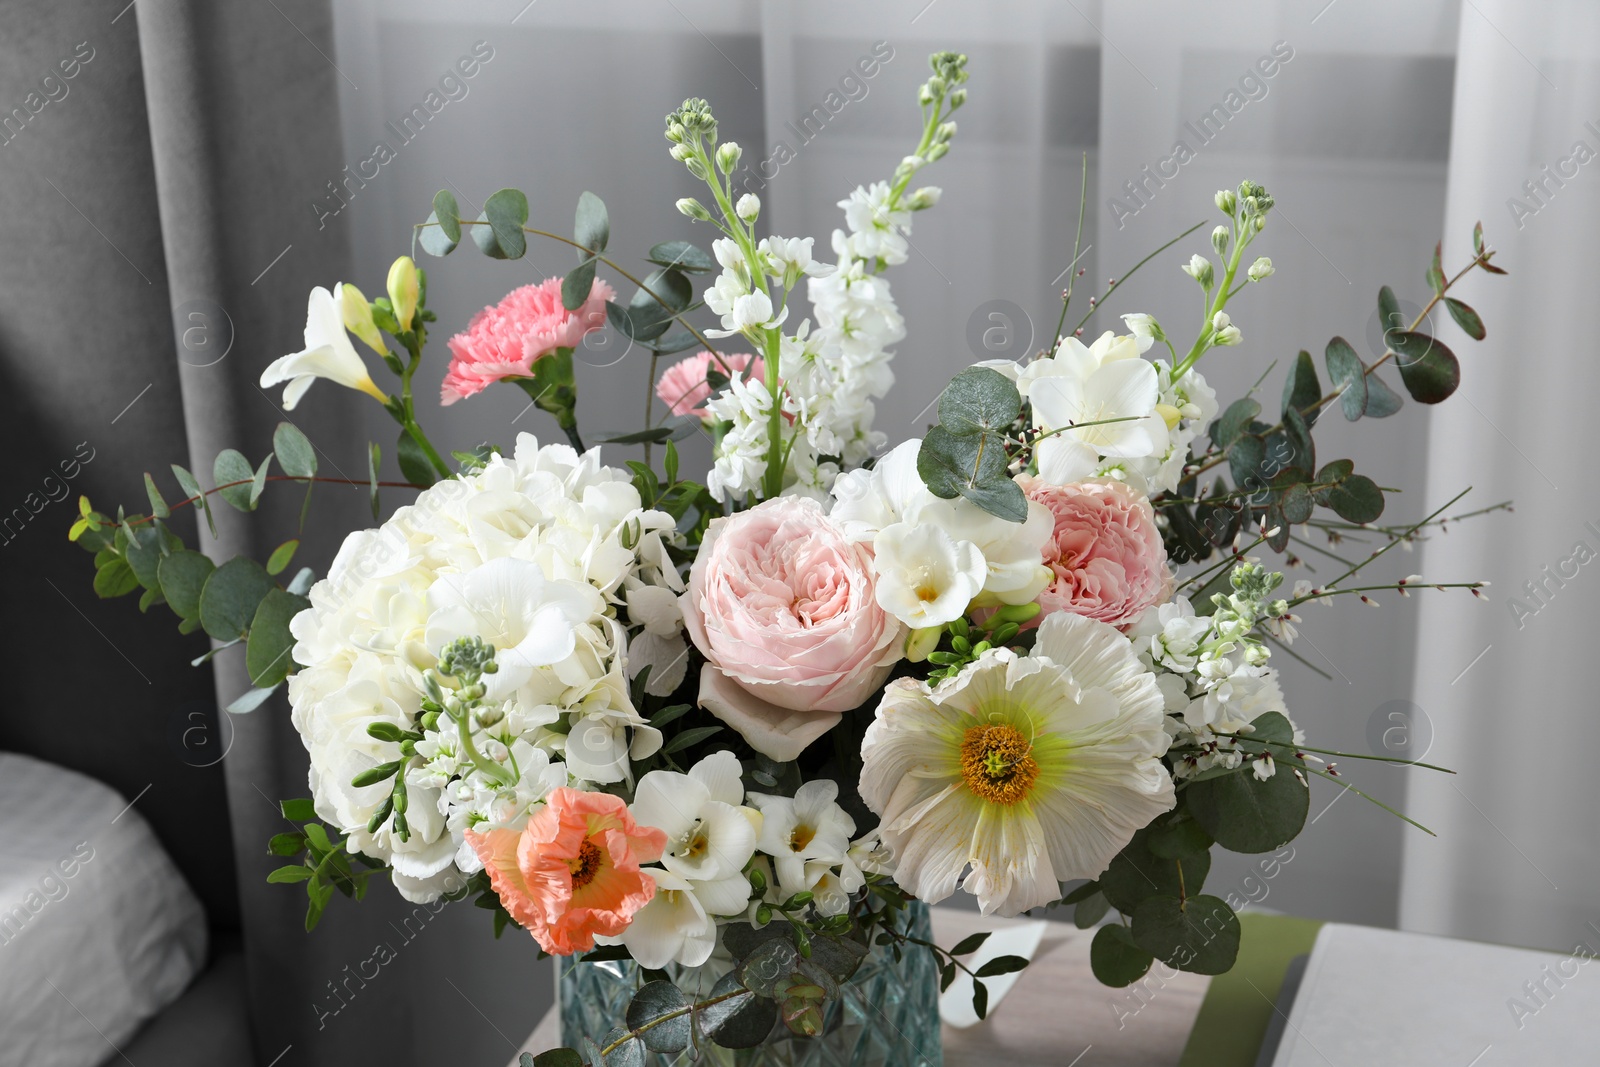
x=98, y=930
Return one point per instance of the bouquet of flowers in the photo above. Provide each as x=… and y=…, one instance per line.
x=730, y=729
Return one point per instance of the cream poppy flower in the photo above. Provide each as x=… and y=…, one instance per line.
x=1030, y=770
x=328, y=354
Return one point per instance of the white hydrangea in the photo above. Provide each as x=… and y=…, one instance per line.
x=535, y=553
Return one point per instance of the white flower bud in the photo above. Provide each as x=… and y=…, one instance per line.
x=694, y=209
x=728, y=154
x=1226, y=201
x=697, y=168
x=938, y=152
x=1261, y=268
x=749, y=205
x=1144, y=327
x=924, y=198
x=1199, y=268
x=1219, y=240
x=1223, y=331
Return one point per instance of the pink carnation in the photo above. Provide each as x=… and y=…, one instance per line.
x=683, y=387
x=782, y=606
x=504, y=340
x=1105, y=551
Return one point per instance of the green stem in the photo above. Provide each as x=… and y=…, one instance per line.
x=1101, y=299
x=1217, y=303
x=1066, y=297
x=1364, y=796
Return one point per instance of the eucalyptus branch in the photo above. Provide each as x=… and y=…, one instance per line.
x=687, y=1009
x=148, y=519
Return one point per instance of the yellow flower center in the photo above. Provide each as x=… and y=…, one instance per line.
x=996, y=763
x=802, y=836
x=587, y=864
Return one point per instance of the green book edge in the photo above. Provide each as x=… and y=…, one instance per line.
x=1239, y=1005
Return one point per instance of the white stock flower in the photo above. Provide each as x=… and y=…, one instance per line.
x=877, y=231
x=328, y=354
x=748, y=207
x=1261, y=269
x=1223, y=331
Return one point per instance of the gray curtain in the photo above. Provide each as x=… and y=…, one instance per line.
x=159, y=256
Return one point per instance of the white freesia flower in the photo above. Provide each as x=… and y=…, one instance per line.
x=711, y=835
x=929, y=552
x=1029, y=770
x=672, y=928
x=328, y=354
x=1126, y=389
x=806, y=835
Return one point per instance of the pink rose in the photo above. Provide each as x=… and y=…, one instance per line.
x=781, y=604
x=683, y=386
x=504, y=340
x=1106, y=553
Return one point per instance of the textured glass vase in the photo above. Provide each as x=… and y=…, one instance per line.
x=887, y=1015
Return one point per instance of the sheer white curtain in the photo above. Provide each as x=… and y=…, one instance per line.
x=1508, y=686
x=1351, y=131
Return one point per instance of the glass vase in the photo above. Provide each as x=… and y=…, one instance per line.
x=887, y=1015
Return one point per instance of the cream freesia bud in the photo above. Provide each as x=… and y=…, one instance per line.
x=1261, y=268
x=1199, y=268
x=1226, y=202
x=1219, y=240
x=404, y=288
x=728, y=154
x=1223, y=331
x=1144, y=327
x=358, y=317
x=924, y=198
x=749, y=206
x=694, y=209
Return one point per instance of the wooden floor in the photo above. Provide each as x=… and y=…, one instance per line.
x=1056, y=1015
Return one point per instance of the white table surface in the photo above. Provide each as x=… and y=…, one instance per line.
x=1057, y=1015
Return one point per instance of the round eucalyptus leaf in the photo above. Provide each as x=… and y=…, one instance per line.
x=1199, y=935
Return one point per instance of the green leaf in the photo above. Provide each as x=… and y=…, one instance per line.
x=1172, y=838
x=266, y=655
x=980, y=999
x=250, y=701
x=1302, y=452
x=145, y=556
x=258, y=482
x=1090, y=911
x=971, y=943
x=1435, y=274
x=972, y=466
x=1296, y=504
x=1136, y=873
x=1083, y=892
x=1389, y=316
x=300, y=809
x=688, y=738
x=231, y=466
x=281, y=556
x=1477, y=238
x=1200, y=935
x=1246, y=814
x=741, y=1021
x=1247, y=457
x=441, y=239
x=1001, y=965
x=1466, y=318
x=1428, y=369
x=1381, y=400
x=115, y=579
x=556, y=1057
x=287, y=844
x=682, y=255
x=591, y=228
x=506, y=212
x=191, y=489
x=295, y=454
x=373, y=456
x=553, y=387
x=1349, y=376
x=414, y=465
x=150, y=599
x=1301, y=390
x=1355, y=499
x=290, y=874
x=577, y=285
x=681, y=341
x=230, y=596
x=182, y=575
x=669, y=463
x=979, y=400
x=655, y=1000
x=1114, y=958
x=1234, y=421
x=158, y=506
